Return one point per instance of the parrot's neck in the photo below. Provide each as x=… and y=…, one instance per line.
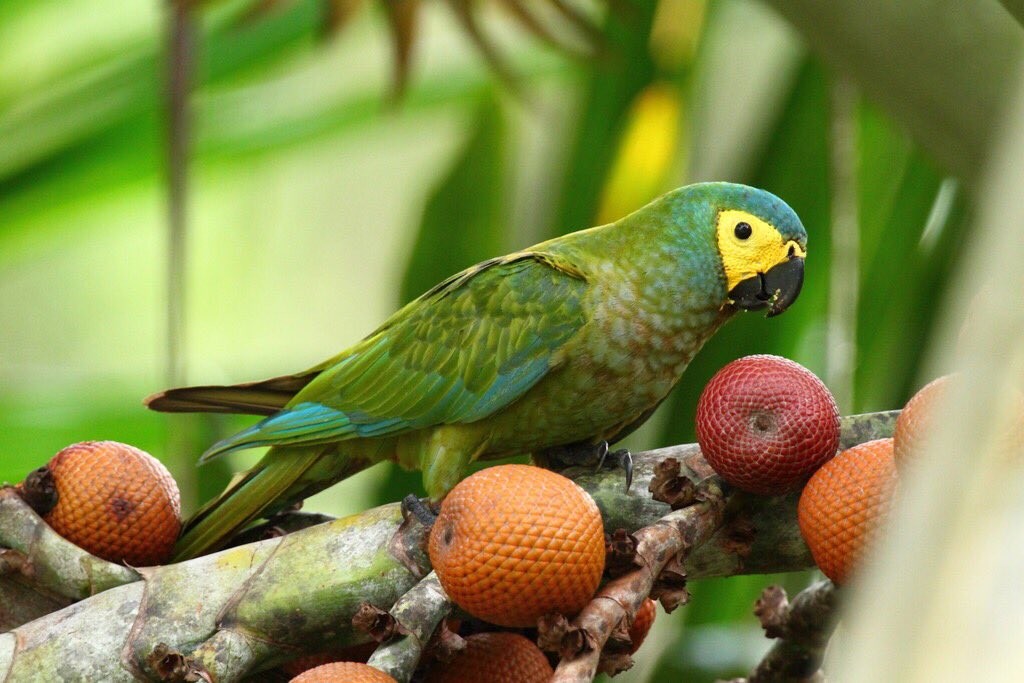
x=680, y=300
x=657, y=295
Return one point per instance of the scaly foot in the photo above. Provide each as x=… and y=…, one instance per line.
x=620, y=458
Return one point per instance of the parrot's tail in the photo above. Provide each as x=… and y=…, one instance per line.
x=246, y=498
x=284, y=476
x=252, y=398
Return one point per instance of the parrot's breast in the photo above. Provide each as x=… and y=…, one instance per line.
x=631, y=353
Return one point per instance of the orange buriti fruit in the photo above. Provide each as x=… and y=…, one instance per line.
x=843, y=505
x=494, y=658
x=917, y=422
x=355, y=653
x=515, y=542
x=343, y=672
x=116, y=502
x=642, y=623
x=765, y=423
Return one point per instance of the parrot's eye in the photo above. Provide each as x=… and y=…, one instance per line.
x=743, y=230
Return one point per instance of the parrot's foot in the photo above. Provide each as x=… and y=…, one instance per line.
x=413, y=506
x=583, y=454
x=620, y=458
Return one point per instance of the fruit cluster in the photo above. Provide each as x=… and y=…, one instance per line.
x=769, y=426
x=511, y=544
x=514, y=543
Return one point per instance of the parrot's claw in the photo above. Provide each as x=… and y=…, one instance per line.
x=413, y=506
x=622, y=458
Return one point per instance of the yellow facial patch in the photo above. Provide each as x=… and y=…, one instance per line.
x=745, y=253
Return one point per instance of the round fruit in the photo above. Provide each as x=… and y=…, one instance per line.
x=915, y=422
x=843, y=505
x=642, y=623
x=354, y=653
x=343, y=672
x=515, y=542
x=116, y=502
x=494, y=658
x=765, y=423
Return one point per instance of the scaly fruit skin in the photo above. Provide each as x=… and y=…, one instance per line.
x=343, y=672
x=573, y=340
x=642, y=623
x=916, y=422
x=115, y=501
x=515, y=542
x=844, y=504
x=356, y=653
x=494, y=658
x=765, y=424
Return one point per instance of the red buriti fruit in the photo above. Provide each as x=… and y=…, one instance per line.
x=765, y=424
x=642, y=623
x=844, y=503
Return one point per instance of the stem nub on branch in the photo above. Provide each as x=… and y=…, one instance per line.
x=802, y=627
x=418, y=613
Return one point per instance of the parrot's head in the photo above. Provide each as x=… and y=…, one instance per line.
x=762, y=244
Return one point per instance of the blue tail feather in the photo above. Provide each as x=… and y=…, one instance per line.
x=303, y=423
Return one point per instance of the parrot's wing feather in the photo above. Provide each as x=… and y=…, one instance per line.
x=465, y=349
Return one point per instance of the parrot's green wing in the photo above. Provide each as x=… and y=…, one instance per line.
x=465, y=349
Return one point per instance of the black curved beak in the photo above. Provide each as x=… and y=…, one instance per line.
x=775, y=289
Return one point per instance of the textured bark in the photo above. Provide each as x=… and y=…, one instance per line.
x=21, y=602
x=56, y=566
x=802, y=627
x=226, y=614
x=248, y=608
x=418, y=613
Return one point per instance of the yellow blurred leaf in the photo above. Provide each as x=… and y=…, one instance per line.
x=646, y=152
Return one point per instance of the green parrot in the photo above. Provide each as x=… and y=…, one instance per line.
x=573, y=341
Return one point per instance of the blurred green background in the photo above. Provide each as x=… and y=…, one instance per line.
x=317, y=198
